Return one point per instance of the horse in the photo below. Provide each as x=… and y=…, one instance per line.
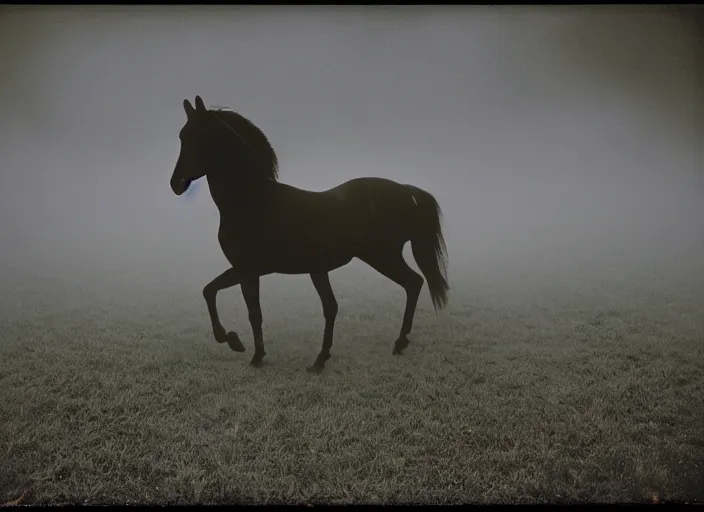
x=268, y=227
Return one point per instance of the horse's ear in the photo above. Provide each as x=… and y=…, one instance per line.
x=188, y=108
x=200, y=106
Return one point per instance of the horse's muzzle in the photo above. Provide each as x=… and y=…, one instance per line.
x=180, y=185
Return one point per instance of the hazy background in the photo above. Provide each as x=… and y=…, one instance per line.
x=558, y=140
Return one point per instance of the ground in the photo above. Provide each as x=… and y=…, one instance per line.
x=571, y=392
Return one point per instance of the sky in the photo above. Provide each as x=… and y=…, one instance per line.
x=551, y=136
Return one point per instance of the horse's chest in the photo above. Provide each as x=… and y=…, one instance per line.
x=236, y=244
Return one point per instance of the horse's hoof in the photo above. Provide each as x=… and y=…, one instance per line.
x=234, y=342
x=319, y=364
x=220, y=335
x=400, y=345
x=257, y=360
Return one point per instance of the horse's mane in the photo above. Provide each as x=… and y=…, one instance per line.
x=263, y=159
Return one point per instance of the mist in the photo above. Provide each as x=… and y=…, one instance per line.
x=558, y=140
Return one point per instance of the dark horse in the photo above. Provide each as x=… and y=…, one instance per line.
x=268, y=227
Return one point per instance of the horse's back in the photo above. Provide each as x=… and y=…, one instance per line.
x=364, y=184
x=368, y=206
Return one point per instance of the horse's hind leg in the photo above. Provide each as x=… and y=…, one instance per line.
x=322, y=286
x=250, y=292
x=392, y=265
x=227, y=279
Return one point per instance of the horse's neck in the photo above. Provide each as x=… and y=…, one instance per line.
x=221, y=192
x=236, y=200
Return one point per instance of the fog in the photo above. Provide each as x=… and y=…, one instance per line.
x=557, y=140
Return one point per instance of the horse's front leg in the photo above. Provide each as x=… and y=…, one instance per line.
x=250, y=291
x=227, y=279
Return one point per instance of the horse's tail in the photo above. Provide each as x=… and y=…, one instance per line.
x=428, y=245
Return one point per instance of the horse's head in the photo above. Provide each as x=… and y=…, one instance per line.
x=196, y=146
x=218, y=142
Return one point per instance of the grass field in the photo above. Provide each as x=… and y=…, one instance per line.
x=580, y=391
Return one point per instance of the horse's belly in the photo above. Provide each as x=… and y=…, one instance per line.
x=307, y=260
x=321, y=246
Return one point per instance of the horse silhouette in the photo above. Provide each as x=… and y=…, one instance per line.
x=270, y=227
